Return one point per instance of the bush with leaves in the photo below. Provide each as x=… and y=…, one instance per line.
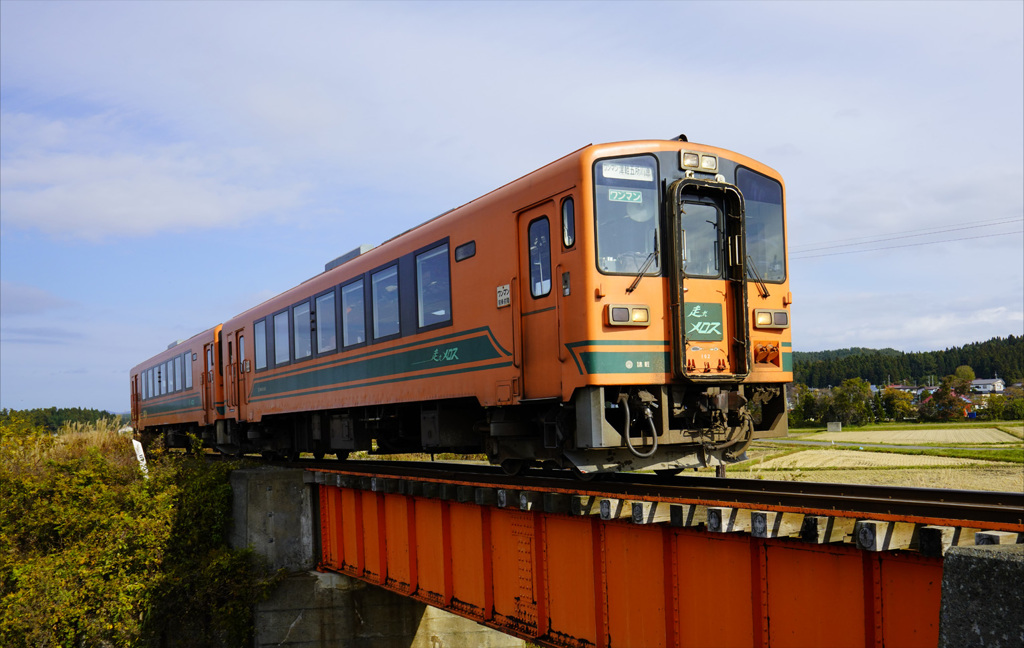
x=93, y=554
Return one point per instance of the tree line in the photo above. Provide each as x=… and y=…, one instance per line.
x=1002, y=357
x=52, y=419
x=853, y=402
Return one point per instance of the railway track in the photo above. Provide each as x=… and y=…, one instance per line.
x=981, y=509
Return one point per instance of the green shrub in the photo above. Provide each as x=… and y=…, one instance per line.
x=93, y=554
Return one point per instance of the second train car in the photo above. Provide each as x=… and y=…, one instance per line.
x=624, y=307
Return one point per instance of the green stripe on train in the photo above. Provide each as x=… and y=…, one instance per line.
x=394, y=366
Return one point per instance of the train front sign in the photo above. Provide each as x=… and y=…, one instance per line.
x=624, y=307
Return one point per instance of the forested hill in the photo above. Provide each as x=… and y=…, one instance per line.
x=999, y=356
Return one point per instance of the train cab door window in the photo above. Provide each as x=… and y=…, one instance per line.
x=260, y=329
x=281, y=352
x=302, y=331
x=353, y=314
x=700, y=224
x=386, y=312
x=627, y=206
x=540, y=257
x=433, y=287
x=179, y=374
x=142, y=383
x=326, y=324
x=568, y=223
x=187, y=359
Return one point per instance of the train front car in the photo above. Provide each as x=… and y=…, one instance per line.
x=685, y=351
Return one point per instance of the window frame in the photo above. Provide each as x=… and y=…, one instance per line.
x=287, y=312
x=660, y=261
x=529, y=252
x=256, y=334
x=317, y=320
x=568, y=224
x=429, y=250
x=294, y=329
x=362, y=281
x=393, y=265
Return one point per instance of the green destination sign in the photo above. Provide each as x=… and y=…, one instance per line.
x=703, y=321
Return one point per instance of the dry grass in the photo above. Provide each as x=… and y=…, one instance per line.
x=971, y=436
x=988, y=478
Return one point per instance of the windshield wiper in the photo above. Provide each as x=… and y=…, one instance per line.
x=760, y=282
x=647, y=264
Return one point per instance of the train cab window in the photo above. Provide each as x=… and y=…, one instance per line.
x=568, y=223
x=179, y=374
x=281, y=352
x=540, y=257
x=260, y=330
x=187, y=358
x=626, y=205
x=386, y=314
x=353, y=314
x=702, y=245
x=302, y=331
x=326, y=327
x=433, y=288
x=765, y=236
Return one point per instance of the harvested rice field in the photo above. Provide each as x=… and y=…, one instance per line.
x=961, y=436
x=829, y=458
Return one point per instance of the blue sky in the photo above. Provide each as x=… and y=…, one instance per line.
x=165, y=165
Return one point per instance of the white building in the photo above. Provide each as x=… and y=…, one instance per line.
x=988, y=385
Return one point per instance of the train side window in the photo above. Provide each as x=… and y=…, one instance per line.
x=540, y=257
x=142, y=385
x=301, y=322
x=179, y=374
x=281, y=353
x=465, y=251
x=568, y=223
x=149, y=379
x=187, y=359
x=353, y=314
x=160, y=391
x=386, y=313
x=260, y=329
x=326, y=325
x=169, y=376
x=433, y=287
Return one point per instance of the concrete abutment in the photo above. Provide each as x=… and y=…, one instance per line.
x=273, y=513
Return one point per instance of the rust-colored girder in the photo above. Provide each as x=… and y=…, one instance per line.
x=560, y=579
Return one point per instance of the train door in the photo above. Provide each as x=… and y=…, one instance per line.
x=708, y=281
x=209, y=384
x=542, y=376
x=135, y=399
x=239, y=369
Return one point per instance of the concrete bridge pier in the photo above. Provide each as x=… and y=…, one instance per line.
x=273, y=514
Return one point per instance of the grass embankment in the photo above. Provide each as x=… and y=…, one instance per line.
x=93, y=554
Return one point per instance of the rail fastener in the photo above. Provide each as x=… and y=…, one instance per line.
x=879, y=535
x=775, y=524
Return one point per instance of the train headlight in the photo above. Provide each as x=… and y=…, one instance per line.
x=628, y=315
x=771, y=319
x=709, y=163
x=691, y=160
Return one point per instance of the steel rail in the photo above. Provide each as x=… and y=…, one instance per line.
x=990, y=509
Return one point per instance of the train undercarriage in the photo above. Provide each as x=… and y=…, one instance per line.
x=666, y=428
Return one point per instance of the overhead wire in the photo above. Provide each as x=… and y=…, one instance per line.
x=868, y=240
x=802, y=252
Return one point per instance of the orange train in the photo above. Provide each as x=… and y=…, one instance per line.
x=624, y=307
